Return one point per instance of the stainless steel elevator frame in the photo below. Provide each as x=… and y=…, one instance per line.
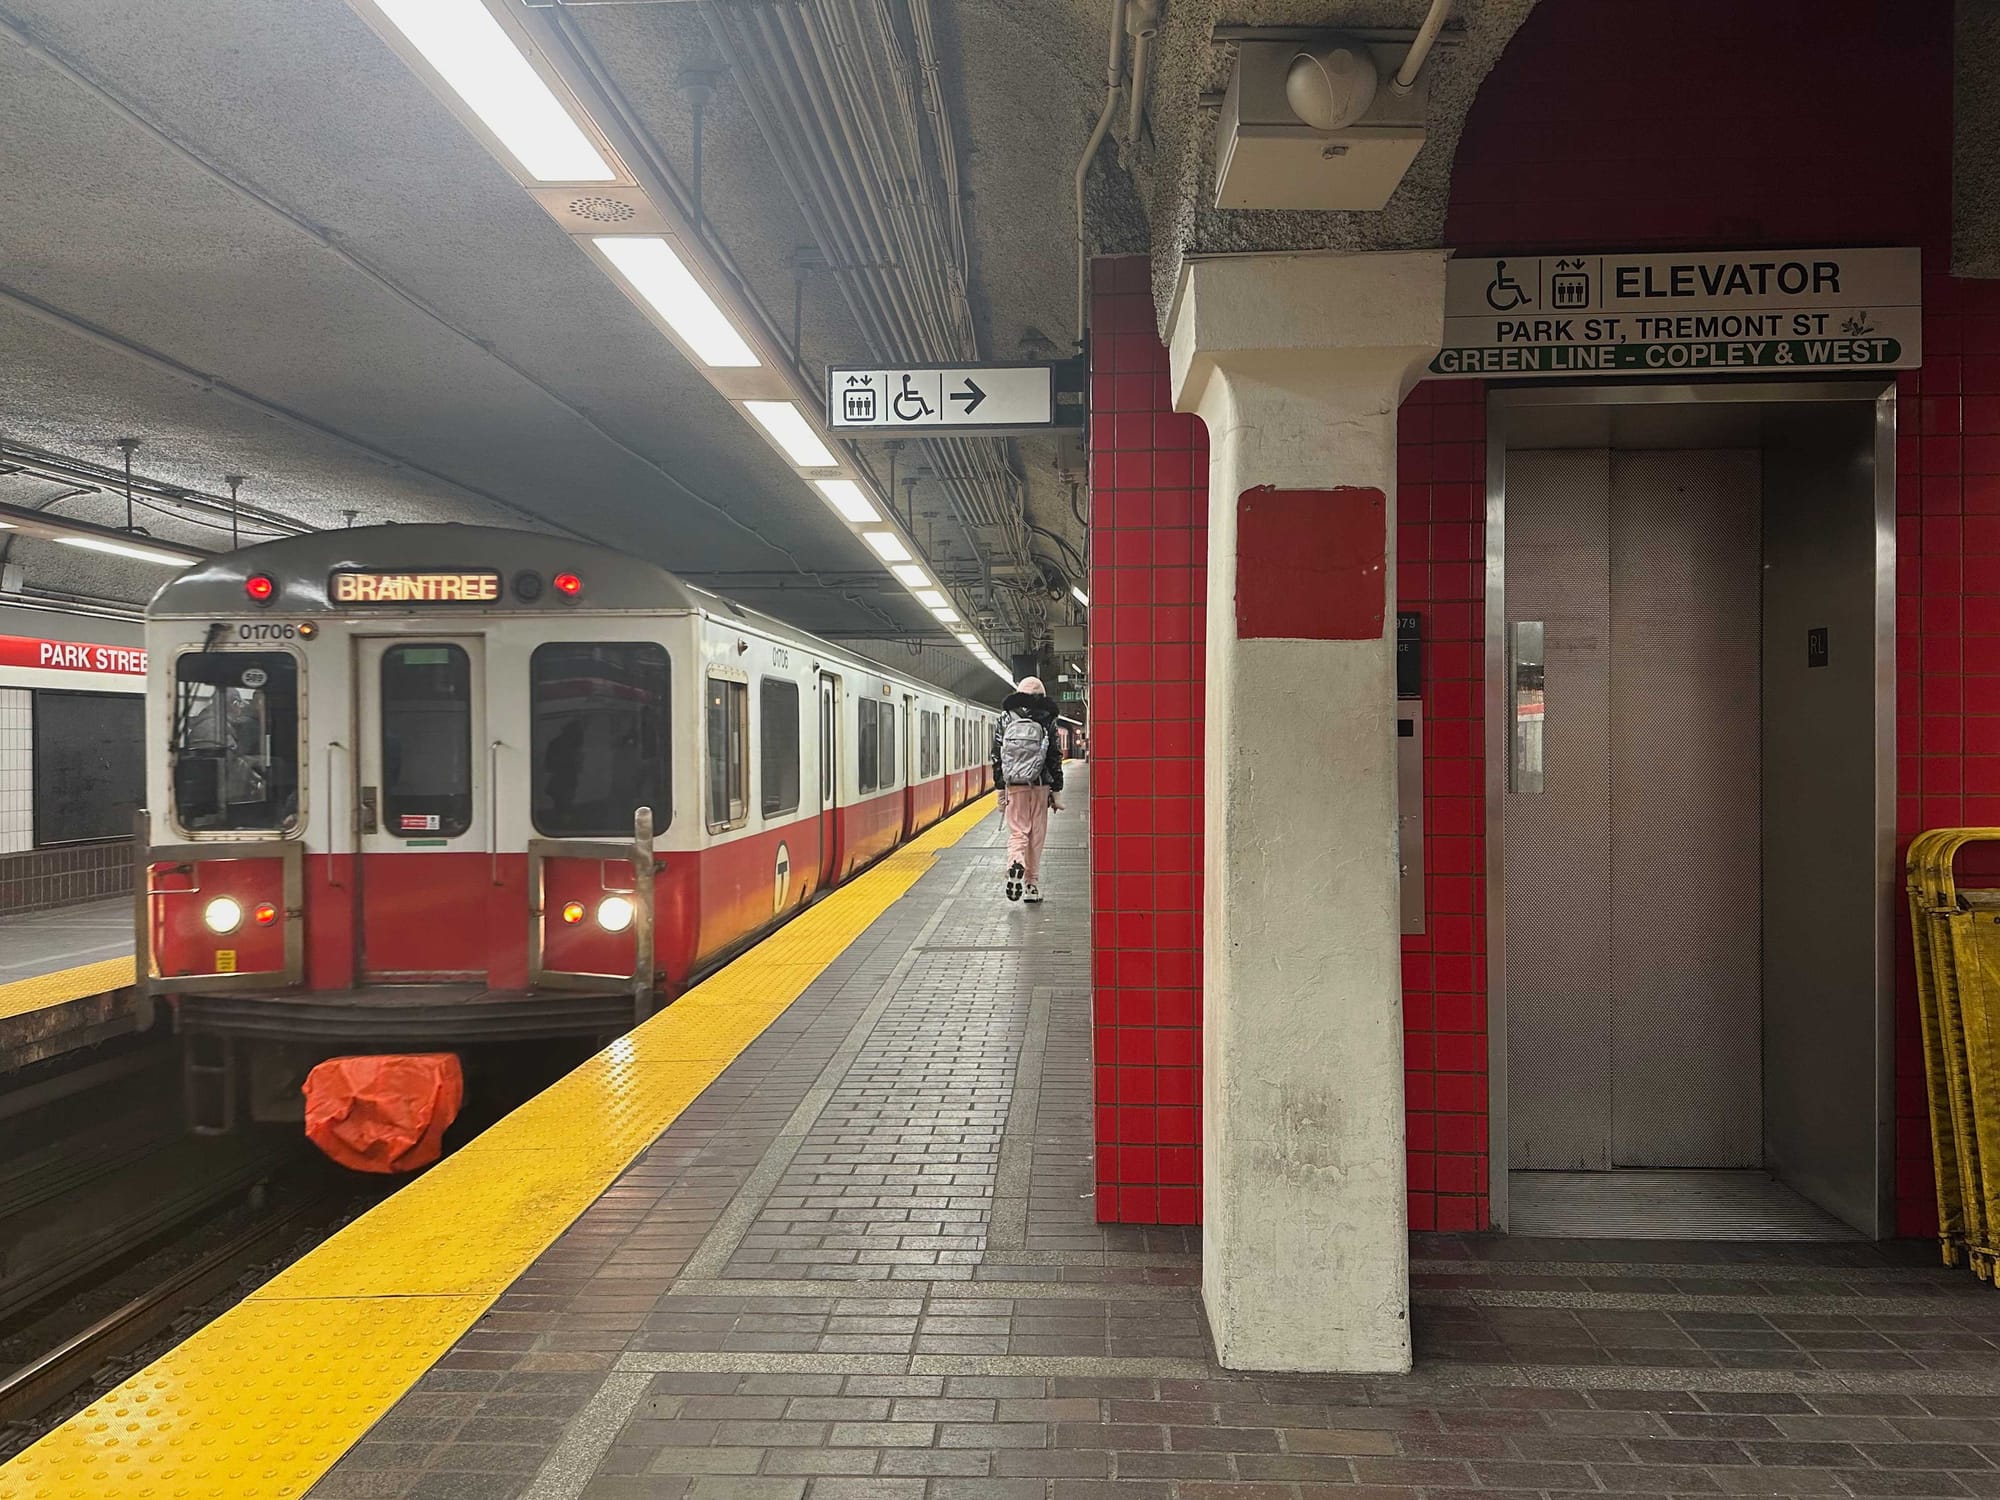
x=1502, y=405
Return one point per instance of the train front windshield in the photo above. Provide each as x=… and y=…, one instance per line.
x=234, y=751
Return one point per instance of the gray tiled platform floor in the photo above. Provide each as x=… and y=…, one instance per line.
x=865, y=1264
x=41, y=942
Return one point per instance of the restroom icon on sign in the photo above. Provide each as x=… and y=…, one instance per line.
x=1569, y=286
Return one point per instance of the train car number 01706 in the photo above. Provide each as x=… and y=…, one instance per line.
x=266, y=632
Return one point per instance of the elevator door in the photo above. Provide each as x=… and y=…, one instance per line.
x=1633, y=883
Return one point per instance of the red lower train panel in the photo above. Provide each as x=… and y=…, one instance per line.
x=436, y=917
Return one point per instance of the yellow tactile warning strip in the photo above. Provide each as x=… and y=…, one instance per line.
x=262, y=1401
x=46, y=990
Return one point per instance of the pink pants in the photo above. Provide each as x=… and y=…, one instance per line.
x=1027, y=827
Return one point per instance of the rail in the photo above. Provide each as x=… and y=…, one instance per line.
x=640, y=853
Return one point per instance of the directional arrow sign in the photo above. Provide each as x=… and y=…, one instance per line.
x=996, y=399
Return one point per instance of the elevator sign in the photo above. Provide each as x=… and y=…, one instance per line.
x=1699, y=313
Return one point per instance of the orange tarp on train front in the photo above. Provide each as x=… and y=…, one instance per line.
x=385, y=1113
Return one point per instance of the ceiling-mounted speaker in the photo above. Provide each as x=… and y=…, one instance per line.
x=601, y=210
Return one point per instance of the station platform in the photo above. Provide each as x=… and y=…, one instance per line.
x=66, y=980
x=823, y=1229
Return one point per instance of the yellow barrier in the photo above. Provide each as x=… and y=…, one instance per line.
x=1956, y=936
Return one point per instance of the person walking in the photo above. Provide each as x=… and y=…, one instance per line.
x=1028, y=770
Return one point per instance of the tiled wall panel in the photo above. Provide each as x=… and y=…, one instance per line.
x=1148, y=570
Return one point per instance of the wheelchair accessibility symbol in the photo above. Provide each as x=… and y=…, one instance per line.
x=1504, y=293
x=910, y=405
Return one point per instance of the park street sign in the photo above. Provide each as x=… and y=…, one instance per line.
x=1696, y=313
x=997, y=399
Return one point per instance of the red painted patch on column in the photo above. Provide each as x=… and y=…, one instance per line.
x=1309, y=564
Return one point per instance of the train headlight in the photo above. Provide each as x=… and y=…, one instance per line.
x=572, y=913
x=223, y=914
x=614, y=913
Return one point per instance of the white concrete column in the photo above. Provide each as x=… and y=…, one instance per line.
x=1298, y=363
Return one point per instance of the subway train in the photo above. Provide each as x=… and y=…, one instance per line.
x=421, y=788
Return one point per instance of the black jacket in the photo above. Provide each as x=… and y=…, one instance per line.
x=1043, y=711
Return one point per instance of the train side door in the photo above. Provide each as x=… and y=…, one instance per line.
x=912, y=764
x=423, y=811
x=829, y=779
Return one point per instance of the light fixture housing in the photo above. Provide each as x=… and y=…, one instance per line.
x=911, y=575
x=469, y=49
x=794, y=435
x=125, y=549
x=888, y=546
x=848, y=498
x=655, y=272
x=931, y=599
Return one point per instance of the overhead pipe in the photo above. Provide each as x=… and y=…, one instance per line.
x=1142, y=20
x=1113, y=79
x=1420, y=48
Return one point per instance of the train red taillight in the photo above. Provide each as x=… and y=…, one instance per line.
x=261, y=588
x=569, y=585
x=265, y=914
x=572, y=913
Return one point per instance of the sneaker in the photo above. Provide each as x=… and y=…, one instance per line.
x=1016, y=877
x=1034, y=892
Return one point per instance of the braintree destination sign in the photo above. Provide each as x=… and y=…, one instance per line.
x=1682, y=314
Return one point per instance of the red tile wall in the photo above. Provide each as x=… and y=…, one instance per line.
x=1441, y=574
x=1148, y=593
x=1621, y=124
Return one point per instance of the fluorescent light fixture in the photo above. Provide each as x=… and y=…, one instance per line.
x=848, y=498
x=888, y=546
x=670, y=289
x=791, y=431
x=1081, y=597
x=911, y=574
x=930, y=599
x=946, y=613
x=967, y=638
x=476, y=57
x=126, y=549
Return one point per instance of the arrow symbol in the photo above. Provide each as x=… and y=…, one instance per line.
x=972, y=395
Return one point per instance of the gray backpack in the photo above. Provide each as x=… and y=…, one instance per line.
x=1024, y=750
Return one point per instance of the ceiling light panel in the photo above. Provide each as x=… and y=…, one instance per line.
x=912, y=575
x=888, y=546
x=793, y=434
x=847, y=497
x=480, y=63
x=127, y=549
x=655, y=271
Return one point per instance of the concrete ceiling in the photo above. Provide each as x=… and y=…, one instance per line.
x=244, y=232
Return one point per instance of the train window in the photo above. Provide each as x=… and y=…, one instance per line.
x=427, y=738
x=888, y=749
x=869, y=743
x=728, y=752
x=233, y=753
x=929, y=733
x=778, y=741
x=601, y=712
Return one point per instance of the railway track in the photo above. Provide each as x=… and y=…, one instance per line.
x=67, y=1368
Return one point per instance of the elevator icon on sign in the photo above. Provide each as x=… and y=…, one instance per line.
x=859, y=400
x=1569, y=286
